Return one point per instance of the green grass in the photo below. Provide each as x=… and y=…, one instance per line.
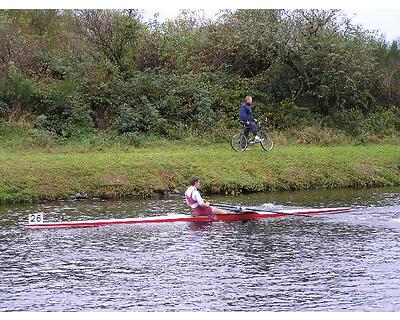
x=162, y=167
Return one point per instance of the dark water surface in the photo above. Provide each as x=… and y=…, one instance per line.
x=338, y=262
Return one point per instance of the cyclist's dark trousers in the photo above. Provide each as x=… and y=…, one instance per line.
x=253, y=127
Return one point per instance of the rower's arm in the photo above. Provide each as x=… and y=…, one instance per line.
x=201, y=201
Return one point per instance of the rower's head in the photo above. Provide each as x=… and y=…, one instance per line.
x=249, y=99
x=195, y=181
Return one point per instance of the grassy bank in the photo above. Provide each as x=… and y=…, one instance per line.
x=51, y=174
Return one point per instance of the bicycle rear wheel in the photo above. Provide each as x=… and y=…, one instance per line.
x=239, y=142
x=267, y=143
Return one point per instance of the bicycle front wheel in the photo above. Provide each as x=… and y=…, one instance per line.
x=239, y=142
x=267, y=143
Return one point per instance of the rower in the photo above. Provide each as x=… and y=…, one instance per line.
x=196, y=202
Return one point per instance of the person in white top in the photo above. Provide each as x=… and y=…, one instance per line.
x=197, y=203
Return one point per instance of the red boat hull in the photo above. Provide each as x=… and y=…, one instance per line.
x=186, y=218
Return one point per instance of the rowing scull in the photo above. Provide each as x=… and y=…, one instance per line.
x=38, y=222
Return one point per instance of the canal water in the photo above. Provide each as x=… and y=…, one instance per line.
x=336, y=262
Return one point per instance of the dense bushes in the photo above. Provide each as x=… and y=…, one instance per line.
x=16, y=90
x=91, y=70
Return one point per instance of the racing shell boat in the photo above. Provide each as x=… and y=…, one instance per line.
x=235, y=213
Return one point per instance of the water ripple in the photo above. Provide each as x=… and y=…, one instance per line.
x=342, y=262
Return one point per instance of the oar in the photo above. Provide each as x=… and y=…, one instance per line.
x=248, y=210
x=233, y=209
x=241, y=209
x=274, y=211
x=226, y=206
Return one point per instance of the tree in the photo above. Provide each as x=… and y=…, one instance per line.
x=112, y=33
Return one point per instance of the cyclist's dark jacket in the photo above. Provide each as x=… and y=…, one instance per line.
x=246, y=113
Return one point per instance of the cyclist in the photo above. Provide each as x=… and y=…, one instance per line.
x=246, y=116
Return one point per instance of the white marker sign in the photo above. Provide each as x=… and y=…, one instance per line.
x=36, y=218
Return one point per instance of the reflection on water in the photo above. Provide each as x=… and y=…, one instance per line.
x=339, y=262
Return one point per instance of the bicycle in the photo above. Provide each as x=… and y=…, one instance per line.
x=240, y=141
